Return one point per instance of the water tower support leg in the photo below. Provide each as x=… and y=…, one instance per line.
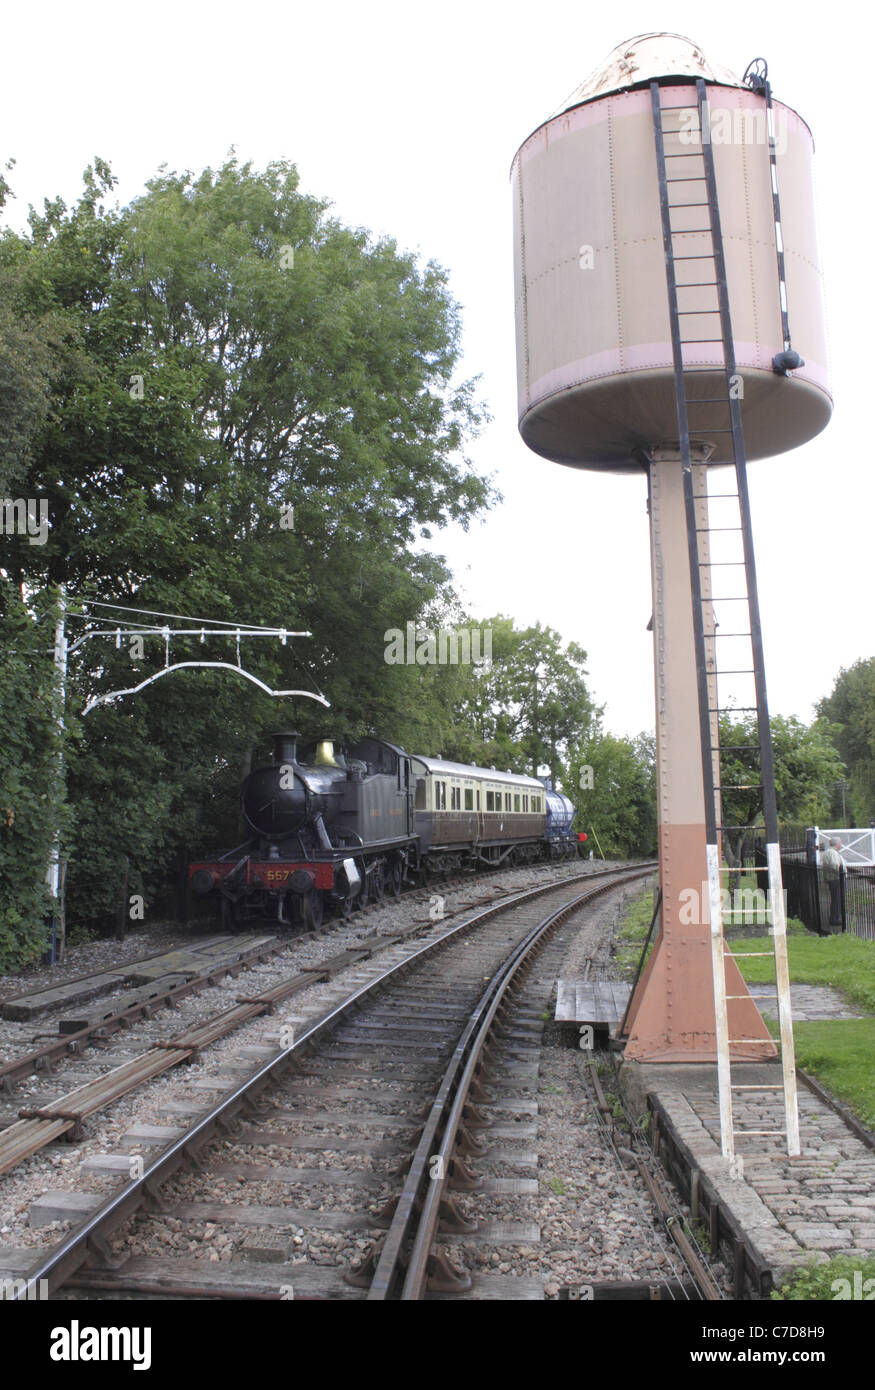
x=672, y=1015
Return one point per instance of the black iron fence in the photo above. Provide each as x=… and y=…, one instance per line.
x=845, y=904
x=858, y=902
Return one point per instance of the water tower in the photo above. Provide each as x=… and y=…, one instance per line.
x=664, y=240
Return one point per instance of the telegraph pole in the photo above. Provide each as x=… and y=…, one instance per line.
x=57, y=920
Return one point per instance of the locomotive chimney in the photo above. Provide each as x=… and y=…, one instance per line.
x=285, y=746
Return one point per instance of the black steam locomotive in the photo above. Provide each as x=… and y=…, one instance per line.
x=336, y=827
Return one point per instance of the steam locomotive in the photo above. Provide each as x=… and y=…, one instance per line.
x=337, y=827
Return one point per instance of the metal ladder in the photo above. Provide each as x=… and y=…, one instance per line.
x=699, y=314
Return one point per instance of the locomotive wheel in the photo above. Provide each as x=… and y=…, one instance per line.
x=365, y=890
x=393, y=884
x=312, y=910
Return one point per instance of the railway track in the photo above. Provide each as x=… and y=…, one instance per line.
x=56, y=1050
x=342, y=1111
x=147, y=1051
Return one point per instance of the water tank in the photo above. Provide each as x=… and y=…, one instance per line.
x=560, y=814
x=594, y=354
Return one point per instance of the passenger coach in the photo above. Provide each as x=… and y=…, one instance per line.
x=468, y=814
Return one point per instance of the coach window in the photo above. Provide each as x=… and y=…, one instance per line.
x=455, y=798
x=506, y=800
x=469, y=798
x=420, y=793
x=440, y=796
x=516, y=801
x=478, y=798
x=525, y=802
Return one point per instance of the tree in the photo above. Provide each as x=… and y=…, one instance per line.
x=528, y=704
x=806, y=766
x=850, y=712
x=242, y=408
x=611, y=780
x=30, y=806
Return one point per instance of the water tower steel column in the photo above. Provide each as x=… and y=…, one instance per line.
x=672, y=1015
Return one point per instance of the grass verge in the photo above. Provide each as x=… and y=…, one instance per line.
x=838, y=1052
x=631, y=933
x=843, y=1277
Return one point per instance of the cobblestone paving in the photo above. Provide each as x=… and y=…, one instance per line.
x=790, y=1208
x=808, y=1002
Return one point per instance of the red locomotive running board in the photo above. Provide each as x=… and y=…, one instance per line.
x=274, y=875
x=271, y=874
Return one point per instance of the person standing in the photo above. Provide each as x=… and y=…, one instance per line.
x=832, y=867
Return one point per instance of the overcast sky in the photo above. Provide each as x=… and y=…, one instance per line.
x=408, y=117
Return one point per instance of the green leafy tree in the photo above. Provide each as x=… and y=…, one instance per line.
x=850, y=712
x=526, y=706
x=31, y=807
x=806, y=766
x=241, y=408
x=612, y=782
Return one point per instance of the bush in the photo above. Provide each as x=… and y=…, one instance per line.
x=843, y=1277
x=29, y=795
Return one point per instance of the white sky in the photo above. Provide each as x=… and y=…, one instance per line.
x=408, y=117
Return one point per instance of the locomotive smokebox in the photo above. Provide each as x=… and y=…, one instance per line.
x=280, y=799
x=274, y=801
x=594, y=348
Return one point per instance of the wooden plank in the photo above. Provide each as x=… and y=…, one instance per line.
x=520, y=1130
x=376, y=1065
x=591, y=1001
x=498, y=1233
x=374, y=1119
x=86, y=1018
x=230, y=946
x=399, y=1089
x=509, y=1187
x=501, y=1288
x=15, y=1259
x=278, y=1217
x=302, y=1280
x=525, y=1158
x=319, y=1143
x=43, y=1001
x=331, y=1177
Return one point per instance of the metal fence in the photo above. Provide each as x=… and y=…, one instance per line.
x=858, y=901
x=846, y=904
x=843, y=905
